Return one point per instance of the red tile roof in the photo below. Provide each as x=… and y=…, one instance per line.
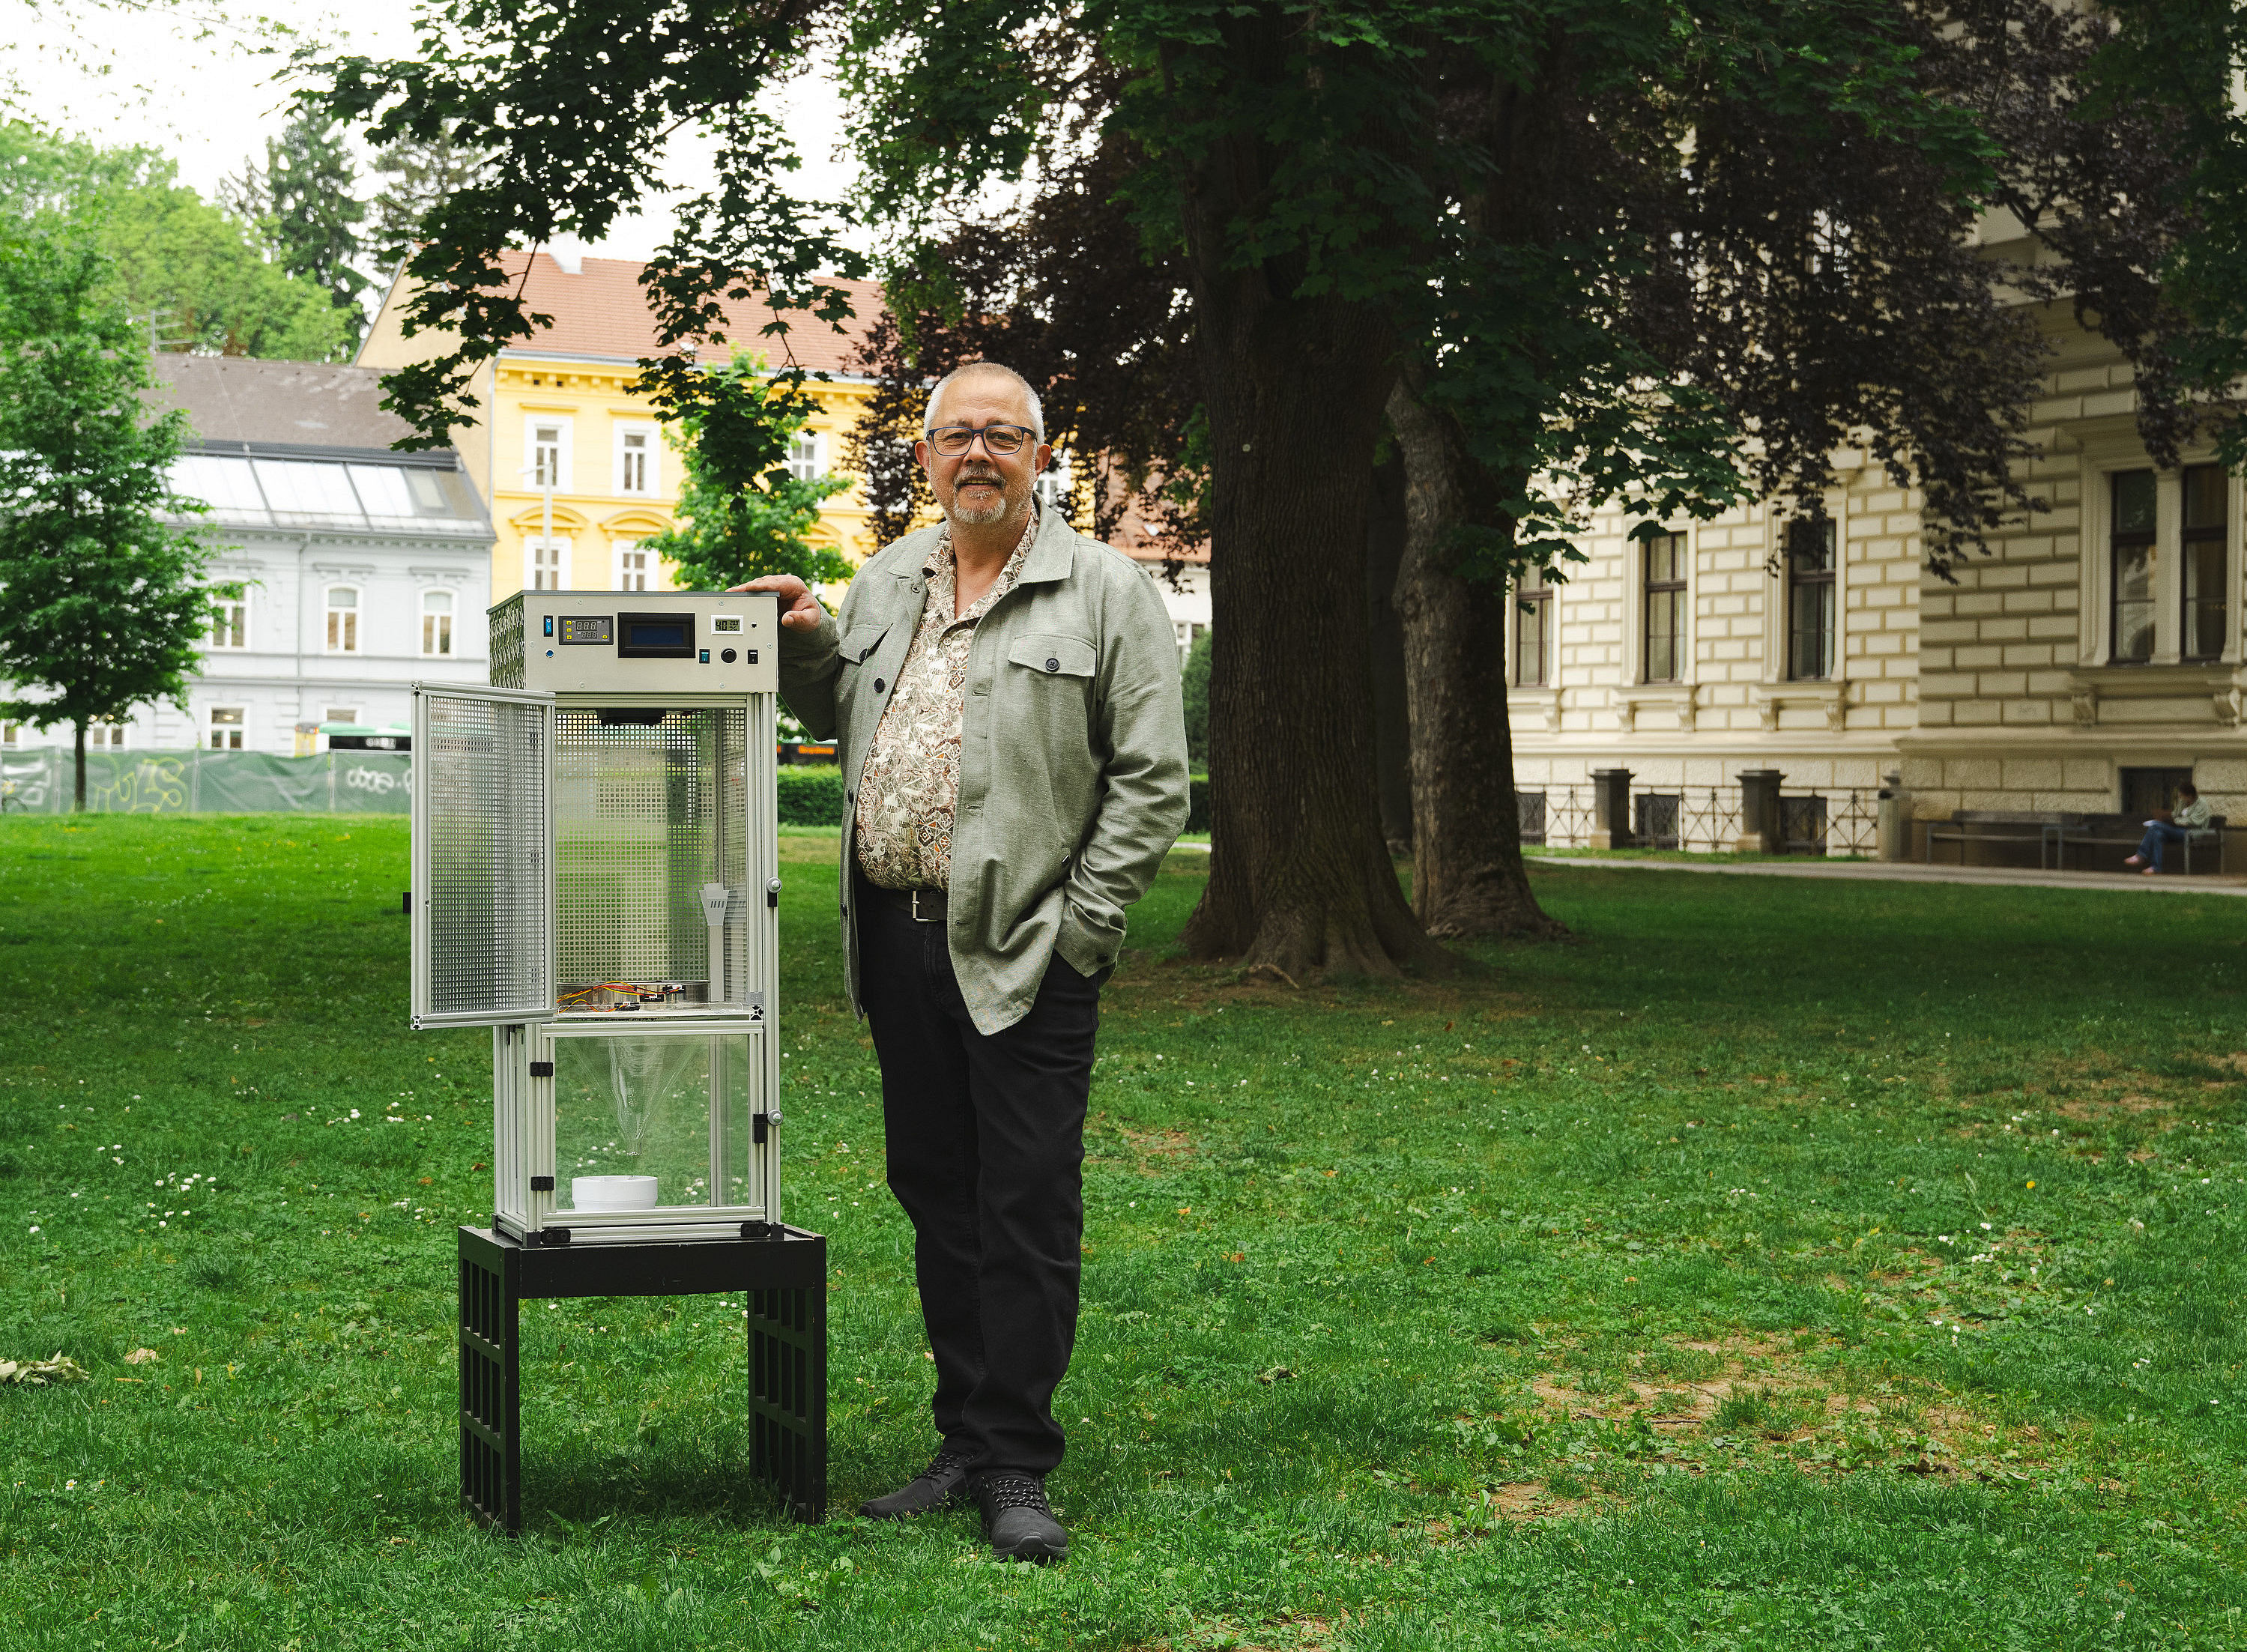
x=603, y=312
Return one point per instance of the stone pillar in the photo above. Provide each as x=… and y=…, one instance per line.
x=1895, y=834
x=1611, y=808
x=1759, y=829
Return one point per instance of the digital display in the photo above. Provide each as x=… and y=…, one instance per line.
x=729, y=624
x=655, y=636
x=598, y=628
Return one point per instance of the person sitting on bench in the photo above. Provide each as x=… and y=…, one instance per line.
x=2169, y=826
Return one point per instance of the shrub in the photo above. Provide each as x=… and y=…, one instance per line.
x=810, y=795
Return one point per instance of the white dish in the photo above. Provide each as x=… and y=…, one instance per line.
x=612, y=1192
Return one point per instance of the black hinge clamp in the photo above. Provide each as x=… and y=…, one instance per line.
x=542, y=1070
x=541, y=1184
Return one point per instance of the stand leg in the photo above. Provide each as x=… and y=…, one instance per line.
x=491, y=1383
x=788, y=1393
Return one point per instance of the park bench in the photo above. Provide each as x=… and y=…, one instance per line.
x=1996, y=826
x=2126, y=831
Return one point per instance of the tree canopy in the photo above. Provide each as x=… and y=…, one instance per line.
x=197, y=276
x=742, y=511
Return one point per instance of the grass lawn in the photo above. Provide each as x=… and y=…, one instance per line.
x=1779, y=1264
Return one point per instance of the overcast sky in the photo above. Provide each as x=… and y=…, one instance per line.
x=198, y=86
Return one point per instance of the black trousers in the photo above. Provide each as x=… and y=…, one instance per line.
x=986, y=1144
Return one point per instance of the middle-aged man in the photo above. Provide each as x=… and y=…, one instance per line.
x=1013, y=753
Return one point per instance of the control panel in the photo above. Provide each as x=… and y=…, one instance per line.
x=650, y=642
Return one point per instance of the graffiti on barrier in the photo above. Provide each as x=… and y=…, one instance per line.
x=150, y=787
x=381, y=782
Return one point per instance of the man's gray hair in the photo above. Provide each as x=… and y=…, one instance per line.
x=1037, y=407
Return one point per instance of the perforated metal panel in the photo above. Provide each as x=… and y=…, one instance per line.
x=649, y=813
x=483, y=887
x=506, y=643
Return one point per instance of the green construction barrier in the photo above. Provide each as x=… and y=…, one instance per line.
x=350, y=783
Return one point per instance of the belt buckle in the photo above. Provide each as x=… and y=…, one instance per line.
x=917, y=918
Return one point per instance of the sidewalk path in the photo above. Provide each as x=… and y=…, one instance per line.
x=1910, y=872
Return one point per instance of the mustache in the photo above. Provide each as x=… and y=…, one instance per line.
x=965, y=477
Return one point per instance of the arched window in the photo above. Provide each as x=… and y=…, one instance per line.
x=437, y=623
x=342, y=620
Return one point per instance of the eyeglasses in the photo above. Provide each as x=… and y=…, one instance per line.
x=952, y=440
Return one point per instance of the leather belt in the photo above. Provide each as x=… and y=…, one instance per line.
x=922, y=905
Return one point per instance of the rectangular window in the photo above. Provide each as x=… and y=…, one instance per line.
x=1811, y=548
x=342, y=714
x=803, y=457
x=632, y=566
x=546, y=455
x=548, y=562
x=11, y=733
x=1666, y=608
x=229, y=622
x=2132, y=551
x=1533, y=622
x=635, y=459
x=343, y=620
x=226, y=725
x=2206, y=493
x=436, y=622
x=1053, y=484
x=106, y=733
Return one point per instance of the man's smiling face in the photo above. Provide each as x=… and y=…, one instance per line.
x=979, y=488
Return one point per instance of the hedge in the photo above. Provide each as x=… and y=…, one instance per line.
x=810, y=795
x=813, y=796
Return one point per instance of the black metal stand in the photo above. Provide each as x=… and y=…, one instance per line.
x=785, y=1280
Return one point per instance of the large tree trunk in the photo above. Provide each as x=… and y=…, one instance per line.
x=1299, y=874
x=1467, y=875
x=1392, y=717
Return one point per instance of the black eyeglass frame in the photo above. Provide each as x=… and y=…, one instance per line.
x=1030, y=438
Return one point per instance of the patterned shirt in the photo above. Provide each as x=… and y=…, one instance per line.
x=910, y=786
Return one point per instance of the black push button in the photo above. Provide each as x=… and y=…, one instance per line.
x=1052, y=665
x=726, y=655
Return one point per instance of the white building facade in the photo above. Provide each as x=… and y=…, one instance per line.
x=2087, y=664
x=362, y=570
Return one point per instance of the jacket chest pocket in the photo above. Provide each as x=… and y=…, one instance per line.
x=858, y=647
x=1055, y=655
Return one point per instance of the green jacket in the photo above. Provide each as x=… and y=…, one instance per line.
x=1072, y=753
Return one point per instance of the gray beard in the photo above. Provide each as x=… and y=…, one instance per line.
x=968, y=518
x=984, y=518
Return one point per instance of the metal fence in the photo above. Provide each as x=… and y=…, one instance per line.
x=1706, y=818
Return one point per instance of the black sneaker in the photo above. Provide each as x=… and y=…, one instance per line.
x=934, y=1486
x=1018, y=1520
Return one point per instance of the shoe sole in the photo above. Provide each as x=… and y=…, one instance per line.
x=1036, y=1551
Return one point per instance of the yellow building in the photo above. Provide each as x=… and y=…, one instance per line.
x=576, y=471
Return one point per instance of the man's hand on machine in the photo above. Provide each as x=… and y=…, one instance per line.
x=799, y=609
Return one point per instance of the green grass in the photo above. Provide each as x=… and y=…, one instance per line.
x=1589, y=1298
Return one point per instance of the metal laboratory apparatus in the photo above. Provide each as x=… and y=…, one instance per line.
x=595, y=878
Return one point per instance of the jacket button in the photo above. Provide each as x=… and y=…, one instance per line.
x=1052, y=665
x=877, y=685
